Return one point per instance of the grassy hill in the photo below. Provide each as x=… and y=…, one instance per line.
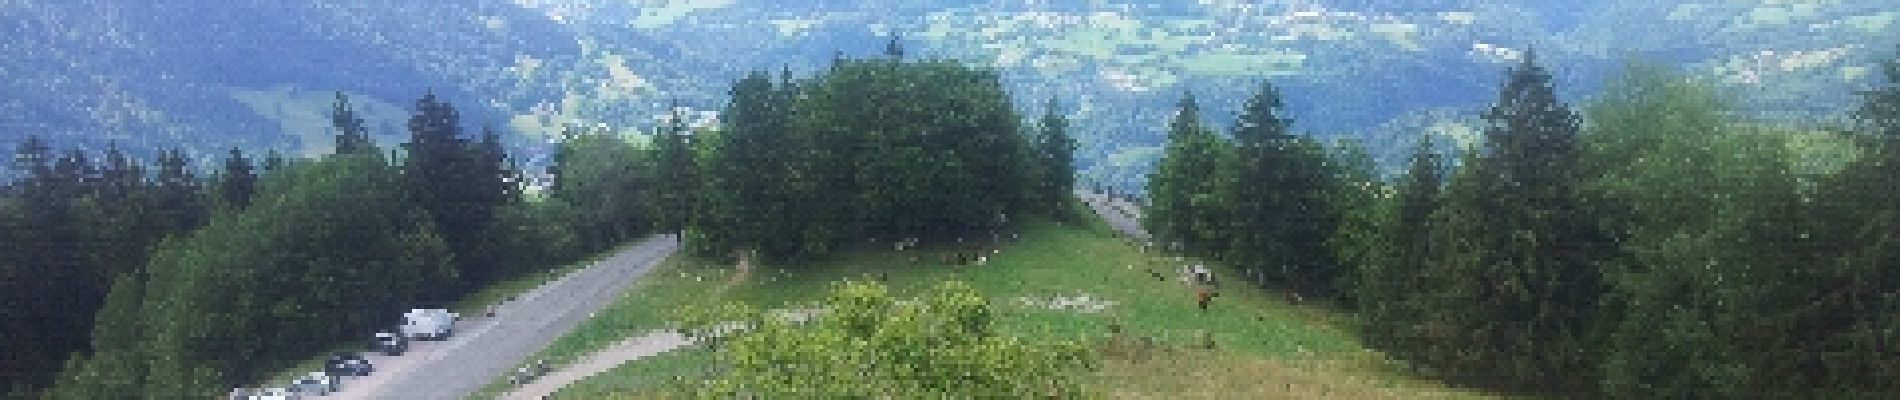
x=1266, y=347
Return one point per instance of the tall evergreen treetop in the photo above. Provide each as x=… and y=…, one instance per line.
x=1057, y=152
x=1262, y=120
x=33, y=159
x=238, y=181
x=1187, y=117
x=1527, y=248
x=1530, y=132
x=351, y=136
x=894, y=48
x=674, y=165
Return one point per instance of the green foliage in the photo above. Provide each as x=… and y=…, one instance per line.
x=1745, y=276
x=675, y=178
x=459, y=183
x=72, y=226
x=351, y=136
x=1357, y=195
x=293, y=270
x=529, y=236
x=608, y=181
x=1055, y=157
x=1280, y=199
x=876, y=148
x=115, y=367
x=1390, y=309
x=237, y=182
x=870, y=345
x=1186, y=209
x=1514, y=267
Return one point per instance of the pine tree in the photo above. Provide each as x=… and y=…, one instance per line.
x=238, y=181
x=894, y=49
x=1278, y=190
x=33, y=159
x=273, y=161
x=179, y=192
x=1056, y=151
x=744, y=169
x=351, y=136
x=674, y=163
x=1525, y=252
x=445, y=180
x=120, y=177
x=1353, y=193
x=1185, y=210
x=1389, y=289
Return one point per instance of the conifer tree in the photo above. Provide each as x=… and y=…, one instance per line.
x=1056, y=151
x=238, y=181
x=1278, y=191
x=273, y=161
x=1524, y=257
x=448, y=181
x=674, y=164
x=180, y=202
x=1185, y=210
x=1390, y=288
x=351, y=136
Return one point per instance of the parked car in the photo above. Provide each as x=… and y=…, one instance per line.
x=275, y=394
x=391, y=344
x=344, y=363
x=317, y=383
x=428, y=324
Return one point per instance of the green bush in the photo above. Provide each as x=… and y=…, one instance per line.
x=870, y=345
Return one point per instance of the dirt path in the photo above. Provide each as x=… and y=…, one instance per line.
x=653, y=343
x=482, y=349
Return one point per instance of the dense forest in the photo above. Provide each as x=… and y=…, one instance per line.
x=1651, y=244
x=135, y=282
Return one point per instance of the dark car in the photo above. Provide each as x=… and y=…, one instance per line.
x=344, y=363
x=391, y=344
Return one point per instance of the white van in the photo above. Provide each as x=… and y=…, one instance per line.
x=428, y=324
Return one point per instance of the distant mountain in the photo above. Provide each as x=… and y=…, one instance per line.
x=259, y=73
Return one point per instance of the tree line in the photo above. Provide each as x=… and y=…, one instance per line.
x=131, y=283
x=868, y=149
x=1664, y=248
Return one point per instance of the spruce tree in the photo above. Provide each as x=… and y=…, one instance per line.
x=674, y=164
x=1056, y=153
x=1278, y=191
x=238, y=181
x=273, y=161
x=1185, y=210
x=1389, y=289
x=180, y=202
x=445, y=179
x=351, y=136
x=1524, y=255
x=744, y=169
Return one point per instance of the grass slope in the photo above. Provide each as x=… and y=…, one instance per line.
x=1265, y=346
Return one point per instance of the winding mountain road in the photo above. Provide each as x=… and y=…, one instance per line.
x=484, y=349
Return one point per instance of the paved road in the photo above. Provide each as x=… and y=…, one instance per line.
x=1120, y=214
x=483, y=349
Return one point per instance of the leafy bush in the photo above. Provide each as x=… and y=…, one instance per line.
x=868, y=345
